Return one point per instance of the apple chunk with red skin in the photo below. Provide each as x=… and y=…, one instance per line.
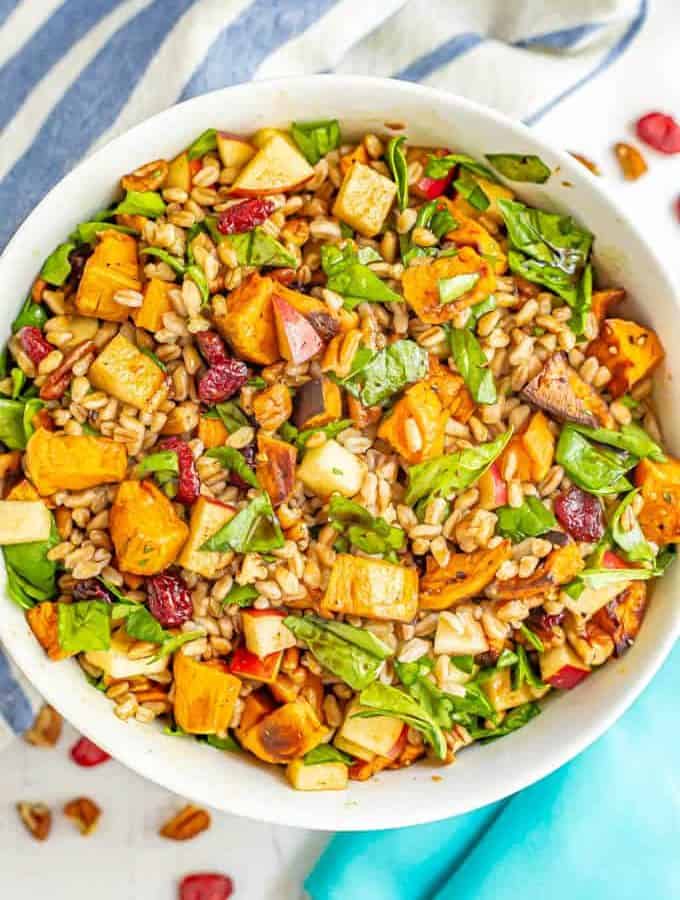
x=561, y=668
x=264, y=632
x=234, y=150
x=276, y=167
x=298, y=340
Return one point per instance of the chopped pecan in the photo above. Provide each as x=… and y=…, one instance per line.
x=58, y=381
x=37, y=818
x=588, y=163
x=148, y=177
x=187, y=824
x=630, y=159
x=84, y=813
x=46, y=729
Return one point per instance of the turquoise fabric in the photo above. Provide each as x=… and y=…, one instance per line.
x=604, y=826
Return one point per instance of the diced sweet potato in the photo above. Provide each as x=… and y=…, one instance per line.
x=155, y=305
x=285, y=734
x=311, y=307
x=207, y=517
x=358, y=155
x=248, y=324
x=276, y=467
x=461, y=209
x=256, y=706
x=464, y=576
x=603, y=301
x=64, y=462
x=659, y=485
x=361, y=415
x=112, y=267
x=182, y=418
x=43, y=620
x=561, y=566
x=129, y=375
x=630, y=351
x=212, y=432
x=501, y=695
x=470, y=233
x=560, y=391
x=24, y=490
x=421, y=285
x=364, y=199
x=9, y=463
x=205, y=696
x=317, y=402
x=539, y=443
x=146, y=531
x=273, y=406
x=622, y=617
x=372, y=588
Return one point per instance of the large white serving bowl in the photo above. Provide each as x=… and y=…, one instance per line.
x=623, y=257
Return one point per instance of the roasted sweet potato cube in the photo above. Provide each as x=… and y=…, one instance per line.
x=146, y=531
x=43, y=620
x=248, y=323
x=622, y=617
x=205, y=696
x=561, y=566
x=372, y=588
x=539, y=444
x=603, y=301
x=320, y=316
x=63, y=462
x=273, y=406
x=421, y=285
x=659, y=485
x=256, y=706
x=155, y=305
x=287, y=733
x=560, y=391
x=470, y=233
x=212, y=432
x=464, y=576
x=112, y=267
x=358, y=155
x=630, y=351
x=123, y=371
x=24, y=490
x=276, y=467
x=364, y=199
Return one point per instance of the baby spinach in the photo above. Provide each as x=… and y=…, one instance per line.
x=396, y=161
x=355, y=282
x=241, y=595
x=57, y=266
x=383, y=700
x=631, y=437
x=290, y=433
x=194, y=272
x=230, y=414
x=141, y=625
x=506, y=659
x=235, y=461
x=203, y=144
x=440, y=166
x=255, y=529
x=471, y=191
x=371, y=534
x=253, y=248
x=31, y=575
x=163, y=461
x=16, y=417
x=524, y=673
x=453, y=472
x=326, y=753
x=30, y=314
x=386, y=372
x=520, y=167
x=435, y=215
x=86, y=232
x=453, y=288
x=154, y=359
x=175, y=262
x=316, y=139
x=141, y=203
x=592, y=467
x=464, y=663
x=222, y=743
x=472, y=364
x=446, y=709
x=632, y=541
x=353, y=654
x=84, y=625
x=516, y=718
x=532, y=638
x=531, y=519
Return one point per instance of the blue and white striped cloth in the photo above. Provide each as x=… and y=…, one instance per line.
x=75, y=73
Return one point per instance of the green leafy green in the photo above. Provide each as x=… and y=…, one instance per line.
x=32, y=406
x=446, y=709
x=326, y=753
x=267, y=251
x=31, y=575
x=396, y=161
x=12, y=431
x=436, y=216
x=175, y=263
x=471, y=191
x=162, y=461
x=371, y=534
x=524, y=673
x=506, y=659
x=139, y=623
x=141, y=203
x=316, y=139
x=453, y=288
x=193, y=272
x=440, y=166
x=203, y=144
x=531, y=519
x=453, y=472
x=383, y=700
x=256, y=381
x=464, y=663
x=291, y=434
x=472, y=364
x=198, y=276
x=632, y=541
x=520, y=167
x=18, y=378
x=353, y=654
x=234, y=461
x=154, y=359
x=223, y=743
x=255, y=529
x=57, y=266
x=230, y=414
x=631, y=437
x=533, y=639
x=86, y=232
x=516, y=718
x=30, y=313
x=593, y=468
x=84, y=625
x=241, y=595
x=355, y=282
x=376, y=376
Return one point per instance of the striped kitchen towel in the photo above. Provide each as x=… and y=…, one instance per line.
x=74, y=73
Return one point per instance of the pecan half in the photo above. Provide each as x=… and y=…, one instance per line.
x=58, y=381
x=187, y=824
x=84, y=813
x=46, y=730
x=148, y=177
x=37, y=818
x=630, y=159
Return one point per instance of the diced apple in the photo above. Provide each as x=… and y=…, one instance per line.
x=330, y=468
x=298, y=340
x=276, y=167
x=493, y=491
x=207, y=517
x=459, y=633
x=330, y=776
x=247, y=665
x=561, y=667
x=116, y=663
x=377, y=734
x=501, y=695
x=179, y=173
x=264, y=632
x=590, y=600
x=364, y=199
x=22, y=521
x=353, y=749
x=127, y=374
x=263, y=135
x=234, y=151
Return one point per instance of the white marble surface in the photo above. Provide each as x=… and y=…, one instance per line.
x=126, y=860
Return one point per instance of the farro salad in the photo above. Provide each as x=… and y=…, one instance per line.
x=331, y=453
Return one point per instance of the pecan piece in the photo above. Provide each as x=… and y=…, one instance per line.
x=37, y=818
x=84, y=813
x=148, y=177
x=187, y=824
x=58, y=381
x=46, y=730
x=630, y=159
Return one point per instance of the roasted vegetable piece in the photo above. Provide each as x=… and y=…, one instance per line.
x=112, y=267
x=421, y=285
x=64, y=462
x=539, y=444
x=207, y=517
x=146, y=531
x=630, y=351
x=129, y=375
x=364, y=199
x=205, y=695
x=372, y=588
x=502, y=696
x=358, y=155
x=464, y=576
x=319, y=315
x=43, y=620
x=212, y=432
x=561, y=566
x=287, y=733
x=317, y=402
x=622, y=617
x=248, y=323
x=602, y=301
x=276, y=467
x=562, y=393
x=155, y=305
x=659, y=485
x=469, y=233
x=273, y=406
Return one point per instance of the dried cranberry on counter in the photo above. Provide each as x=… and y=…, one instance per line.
x=212, y=347
x=86, y=753
x=660, y=131
x=206, y=886
x=91, y=589
x=188, y=483
x=169, y=600
x=34, y=344
x=222, y=381
x=244, y=216
x=580, y=514
x=248, y=452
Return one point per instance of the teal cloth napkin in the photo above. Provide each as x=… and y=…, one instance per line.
x=605, y=825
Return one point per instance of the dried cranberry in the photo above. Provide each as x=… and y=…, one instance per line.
x=212, y=347
x=206, y=886
x=222, y=381
x=169, y=600
x=86, y=753
x=659, y=131
x=248, y=453
x=188, y=483
x=580, y=514
x=244, y=216
x=34, y=344
x=78, y=258
x=91, y=589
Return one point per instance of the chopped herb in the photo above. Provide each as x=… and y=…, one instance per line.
x=396, y=161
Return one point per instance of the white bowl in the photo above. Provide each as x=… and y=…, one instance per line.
x=623, y=257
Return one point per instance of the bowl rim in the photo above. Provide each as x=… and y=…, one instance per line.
x=297, y=814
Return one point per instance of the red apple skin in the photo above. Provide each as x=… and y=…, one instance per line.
x=499, y=486
x=611, y=560
x=431, y=188
x=238, y=155
x=568, y=677
x=247, y=664
x=298, y=341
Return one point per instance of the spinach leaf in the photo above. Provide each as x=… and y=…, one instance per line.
x=524, y=673
x=451, y=289
x=516, y=718
x=316, y=139
x=21, y=591
x=57, y=266
x=593, y=468
x=30, y=314
x=203, y=144
x=472, y=364
x=31, y=407
x=223, y=743
x=435, y=215
x=533, y=639
x=383, y=700
x=326, y=753
x=446, y=709
x=371, y=534
x=163, y=461
x=353, y=654
x=473, y=192
x=13, y=433
x=506, y=659
x=290, y=433
x=520, y=167
x=84, y=625
x=154, y=359
x=599, y=578
x=198, y=276
x=464, y=663
x=18, y=379
x=193, y=272
x=453, y=472
x=230, y=414
x=531, y=519
x=175, y=263
x=583, y=302
x=86, y=232
x=141, y=203
x=256, y=381
x=30, y=563
x=235, y=461
x=396, y=160
x=440, y=166
x=139, y=623
x=377, y=376
x=352, y=280
x=632, y=541
x=255, y=529
x=631, y=437
x=267, y=251
x=241, y=595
